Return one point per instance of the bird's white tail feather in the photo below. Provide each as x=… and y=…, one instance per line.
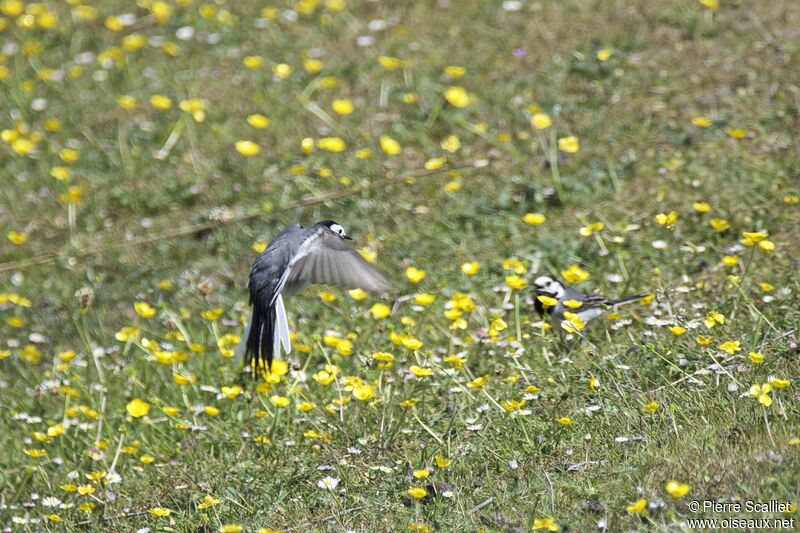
x=281, y=329
x=240, y=349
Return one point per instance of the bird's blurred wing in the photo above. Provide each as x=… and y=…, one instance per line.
x=326, y=259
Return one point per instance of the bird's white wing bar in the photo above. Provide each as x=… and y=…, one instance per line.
x=325, y=258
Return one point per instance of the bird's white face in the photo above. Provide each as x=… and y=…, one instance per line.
x=339, y=230
x=549, y=287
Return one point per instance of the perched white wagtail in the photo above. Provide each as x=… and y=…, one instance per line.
x=296, y=258
x=587, y=307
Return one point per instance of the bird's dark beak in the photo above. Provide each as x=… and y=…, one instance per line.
x=347, y=237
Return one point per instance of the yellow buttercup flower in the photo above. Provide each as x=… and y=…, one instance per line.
x=779, y=383
x=331, y=144
x=408, y=404
x=514, y=264
x=137, y=408
x=69, y=155
x=547, y=301
x=650, y=408
x=761, y=393
x=451, y=144
x=731, y=347
x=212, y=314
x=516, y=283
x=144, y=309
x=324, y=377
x=389, y=145
x=545, y=524
x=667, y=220
x=363, y=391
x=713, y=318
x=391, y=63
x=479, y=382
x=60, y=173
x=730, y=260
x=570, y=145
x=442, y=461
x=586, y=231
x=313, y=66
x=417, y=492
x=454, y=71
x=572, y=323
x=279, y=401
x=247, y=148
x=231, y=392
x=541, y=121
x=253, y=62
x=719, y=224
x=637, y=507
x=435, y=163
x=424, y=299
x=421, y=372
x=457, y=96
x=574, y=274
x=17, y=237
x=159, y=101
x=511, y=406
x=534, y=219
x=343, y=106
x=358, y=294
x=380, y=310
x=604, y=54
x=258, y=121
x=455, y=360
x=766, y=246
x=751, y=238
x=415, y=275
x=470, y=269
x=676, y=489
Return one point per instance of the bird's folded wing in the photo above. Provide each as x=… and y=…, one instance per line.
x=594, y=301
x=325, y=258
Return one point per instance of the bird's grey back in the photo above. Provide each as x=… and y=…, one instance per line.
x=571, y=294
x=270, y=265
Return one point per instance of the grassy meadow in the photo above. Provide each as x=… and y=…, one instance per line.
x=150, y=150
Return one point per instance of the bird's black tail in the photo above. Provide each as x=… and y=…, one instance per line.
x=626, y=300
x=260, y=342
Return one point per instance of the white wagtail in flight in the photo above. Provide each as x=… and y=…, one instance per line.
x=296, y=258
x=585, y=306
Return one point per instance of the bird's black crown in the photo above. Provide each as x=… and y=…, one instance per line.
x=334, y=227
